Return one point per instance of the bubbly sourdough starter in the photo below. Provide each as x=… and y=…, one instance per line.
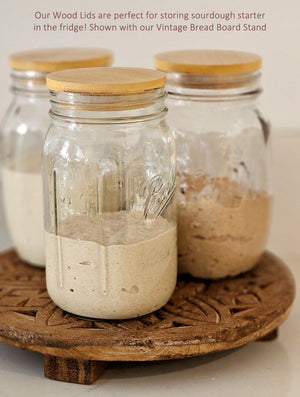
x=23, y=204
x=222, y=231
x=115, y=266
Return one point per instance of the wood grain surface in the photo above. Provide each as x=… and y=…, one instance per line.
x=52, y=59
x=200, y=317
x=106, y=81
x=212, y=62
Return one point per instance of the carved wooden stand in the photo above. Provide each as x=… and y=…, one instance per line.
x=201, y=317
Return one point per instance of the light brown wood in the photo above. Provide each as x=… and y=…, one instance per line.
x=114, y=81
x=201, y=317
x=211, y=62
x=52, y=59
x=71, y=370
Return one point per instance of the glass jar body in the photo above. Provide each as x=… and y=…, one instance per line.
x=223, y=181
x=110, y=218
x=22, y=134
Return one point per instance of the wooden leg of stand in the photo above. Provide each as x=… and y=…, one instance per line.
x=271, y=336
x=71, y=370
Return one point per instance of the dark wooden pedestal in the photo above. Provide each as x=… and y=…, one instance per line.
x=200, y=318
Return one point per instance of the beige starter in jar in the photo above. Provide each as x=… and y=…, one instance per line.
x=223, y=159
x=22, y=135
x=109, y=178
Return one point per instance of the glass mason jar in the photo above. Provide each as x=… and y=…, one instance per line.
x=22, y=136
x=109, y=180
x=223, y=160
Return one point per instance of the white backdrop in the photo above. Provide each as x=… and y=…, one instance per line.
x=279, y=45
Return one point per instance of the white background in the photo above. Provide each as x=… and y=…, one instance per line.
x=279, y=45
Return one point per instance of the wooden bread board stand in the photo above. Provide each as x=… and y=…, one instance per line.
x=202, y=317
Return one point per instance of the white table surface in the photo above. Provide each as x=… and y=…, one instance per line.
x=259, y=369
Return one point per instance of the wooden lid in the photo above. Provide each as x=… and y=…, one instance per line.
x=105, y=81
x=52, y=59
x=208, y=62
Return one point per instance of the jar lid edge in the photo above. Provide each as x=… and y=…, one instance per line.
x=210, y=62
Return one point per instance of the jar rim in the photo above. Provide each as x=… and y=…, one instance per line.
x=29, y=82
x=213, y=85
x=91, y=109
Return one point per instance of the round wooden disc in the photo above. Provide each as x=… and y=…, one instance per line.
x=51, y=59
x=200, y=318
x=210, y=62
x=105, y=81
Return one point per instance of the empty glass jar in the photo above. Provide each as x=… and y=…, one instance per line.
x=109, y=181
x=223, y=153
x=22, y=135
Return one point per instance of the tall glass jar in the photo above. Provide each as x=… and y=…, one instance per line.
x=223, y=153
x=109, y=180
x=22, y=135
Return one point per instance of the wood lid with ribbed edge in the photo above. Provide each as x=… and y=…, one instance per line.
x=53, y=59
x=106, y=81
x=208, y=62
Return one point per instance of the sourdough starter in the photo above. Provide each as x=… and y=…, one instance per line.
x=23, y=204
x=222, y=229
x=115, y=265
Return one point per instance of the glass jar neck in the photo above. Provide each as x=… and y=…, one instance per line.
x=29, y=83
x=102, y=109
x=230, y=87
